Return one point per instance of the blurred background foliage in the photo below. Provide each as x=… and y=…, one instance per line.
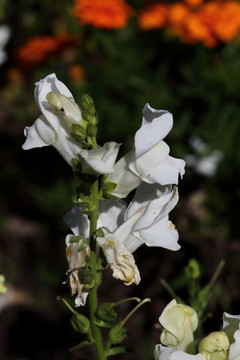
x=180, y=56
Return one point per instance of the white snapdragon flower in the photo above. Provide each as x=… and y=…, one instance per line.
x=149, y=161
x=53, y=126
x=4, y=37
x=145, y=222
x=99, y=160
x=179, y=323
x=77, y=256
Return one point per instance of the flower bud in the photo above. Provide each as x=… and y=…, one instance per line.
x=215, y=346
x=117, y=334
x=80, y=323
x=72, y=111
x=179, y=322
x=105, y=312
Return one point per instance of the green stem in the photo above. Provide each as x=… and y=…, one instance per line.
x=133, y=310
x=93, y=302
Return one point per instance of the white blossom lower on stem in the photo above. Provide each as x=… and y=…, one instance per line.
x=145, y=221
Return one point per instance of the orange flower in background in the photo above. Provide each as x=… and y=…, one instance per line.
x=38, y=49
x=107, y=14
x=193, y=3
x=178, y=13
x=194, y=31
x=76, y=73
x=227, y=22
x=153, y=17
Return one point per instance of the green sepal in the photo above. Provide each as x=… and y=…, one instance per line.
x=105, y=312
x=117, y=334
x=82, y=242
x=75, y=239
x=99, y=233
x=117, y=350
x=80, y=323
x=83, y=343
x=105, y=191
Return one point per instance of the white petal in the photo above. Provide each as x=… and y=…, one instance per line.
x=162, y=234
x=145, y=164
x=100, y=160
x=39, y=134
x=162, y=352
x=125, y=179
x=157, y=210
x=78, y=222
x=146, y=193
x=234, y=351
x=46, y=85
x=181, y=355
x=156, y=125
x=111, y=214
x=168, y=171
x=231, y=323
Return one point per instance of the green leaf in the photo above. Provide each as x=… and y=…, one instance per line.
x=117, y=350
x=83, y=343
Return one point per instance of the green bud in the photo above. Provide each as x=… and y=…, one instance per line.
x=87, y=105
x=91, y=130
x=192, y=270
x=117, y=334
x=105, y=312
x=80, y=323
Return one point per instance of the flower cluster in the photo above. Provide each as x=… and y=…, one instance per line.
x=148, y=168
x=105, y=14
x=179, y=323
x=38, y=49
x=192, y=20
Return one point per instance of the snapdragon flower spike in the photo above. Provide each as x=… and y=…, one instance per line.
x=53, y=126
x=151, y=160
